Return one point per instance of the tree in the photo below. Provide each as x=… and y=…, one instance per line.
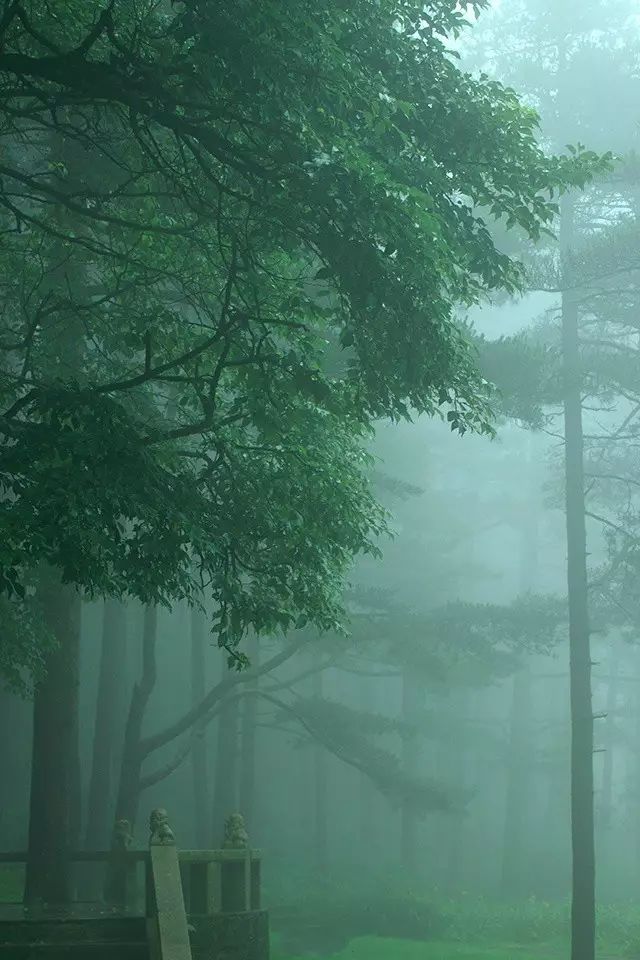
x=258, y=186
x=375, y=191
x=199, y=765
x=54, y=807
x=226, y=778
x=574, y=42
x=248, y=749
x=110, y=703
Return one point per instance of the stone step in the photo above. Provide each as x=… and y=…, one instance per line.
x=106, y=950
x=99, y=929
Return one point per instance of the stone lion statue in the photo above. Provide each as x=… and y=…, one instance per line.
x=161, y=832
x=235, y=833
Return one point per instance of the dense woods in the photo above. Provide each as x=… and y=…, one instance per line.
x=318, y=463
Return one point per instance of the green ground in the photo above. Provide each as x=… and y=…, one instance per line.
x=381, y=948
x=386, y=921
x=465, y=928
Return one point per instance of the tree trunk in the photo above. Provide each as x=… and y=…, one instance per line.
x=368, y=798
x=54, y=772
x=55, y=804
x=109, y=710
x=199, y=765
x=606, y=789
x=225, y=786
x=582, y=826
x=128, y=796
x=514, y=873
x=320, y=794
x=463, y=769
x=248, y=746
x=16, y=717
x=412, y=702
x=636, y=792
x=608, y=859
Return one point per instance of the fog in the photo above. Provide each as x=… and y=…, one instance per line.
x=408, y=774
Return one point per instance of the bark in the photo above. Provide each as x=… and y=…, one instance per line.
x=225, y=786
x=107, y=728
x=54, y=772
x=582, y=819
x=248, y=747
x=199, y=766
x=128, y=796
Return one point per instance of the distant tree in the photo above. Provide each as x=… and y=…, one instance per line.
x=108, y=724
x=199, y=760
x=549, y=49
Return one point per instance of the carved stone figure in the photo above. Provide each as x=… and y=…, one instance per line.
x=161, y=832
x=122, y=834
x=235, y=833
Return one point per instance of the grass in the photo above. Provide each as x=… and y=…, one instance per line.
x=381, y=948
x=395, y=924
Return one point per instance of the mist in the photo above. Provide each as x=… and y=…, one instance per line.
x=319, y=487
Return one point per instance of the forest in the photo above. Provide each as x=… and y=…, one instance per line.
x=319, y=479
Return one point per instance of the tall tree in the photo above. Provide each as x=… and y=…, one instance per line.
x=199, y=764
x=15, y=718
x=320, y=795
x=54, y=774
x=519, y=759
x=128, y=794
x=225, y=780
x=248, y=796
x=108, y=726
x=413, y=695
x=574, y=41
x=606, y=799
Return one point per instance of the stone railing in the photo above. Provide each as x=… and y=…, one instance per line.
x=197, y=903
x=226, y=880
x=167, y=926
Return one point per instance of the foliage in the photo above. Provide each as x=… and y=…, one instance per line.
x=458, y=644
x=352, y=736
x=330, y=918
x=464, y=925
x=519, y=366
x=599, y=273
x=24, y=643
x=464, y=642
x=261, y=188
x=529, y=43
